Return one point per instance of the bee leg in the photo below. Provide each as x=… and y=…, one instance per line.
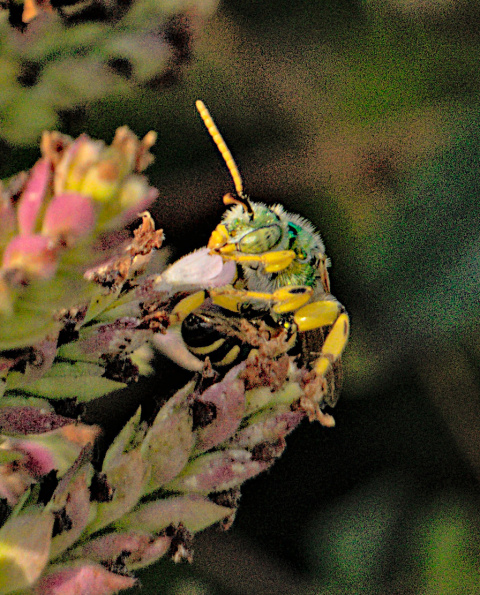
x=171, y=344
x=317, y=314
x=273, y=261
x=333, y=345
x=186, y=307
x=283, y=300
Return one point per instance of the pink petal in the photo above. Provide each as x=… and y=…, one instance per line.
x=69, y=216
x=31, y=254
x=33, y=196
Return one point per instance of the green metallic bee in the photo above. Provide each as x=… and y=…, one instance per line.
x=282, y=280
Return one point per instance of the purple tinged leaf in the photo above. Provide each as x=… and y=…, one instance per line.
x=193, y=511
x=84, y=578
x=74, y=497
x=218, y=471
x=24, y=549
x=136, y=549
x=228, y=397
x=268, y=426
x=126, y=476
x=169, y=442
x=33, y=196
x=25, y=419
x=69, y=217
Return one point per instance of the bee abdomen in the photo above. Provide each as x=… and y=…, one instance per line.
x=203, y=339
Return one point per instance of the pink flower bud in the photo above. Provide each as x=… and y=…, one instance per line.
x=31, y=254
x=33, y=196
x=69, y=216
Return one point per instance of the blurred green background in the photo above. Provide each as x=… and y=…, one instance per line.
x=363, y=116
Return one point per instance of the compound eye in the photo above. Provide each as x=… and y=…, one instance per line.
x=260, y=240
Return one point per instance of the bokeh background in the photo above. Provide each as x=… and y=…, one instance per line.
x=363, y=116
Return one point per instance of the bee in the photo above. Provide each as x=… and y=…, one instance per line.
x=282, y=283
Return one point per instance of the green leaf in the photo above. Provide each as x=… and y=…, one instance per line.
x=79, y=380
x=24, y=550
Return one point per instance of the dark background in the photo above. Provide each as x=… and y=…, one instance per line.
x=363, y=117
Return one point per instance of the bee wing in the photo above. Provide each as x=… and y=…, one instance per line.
x=323, y=272
x=311, y=345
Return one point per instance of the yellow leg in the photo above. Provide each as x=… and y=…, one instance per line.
x=186, y=307
x=333, y=346
x=284, y=300
x=273, y=261
x=317, y=314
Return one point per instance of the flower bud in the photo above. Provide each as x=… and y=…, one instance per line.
x=33, y=196
x=69, y=216
x=32, y=255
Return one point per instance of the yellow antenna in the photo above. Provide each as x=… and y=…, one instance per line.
x=221, y=145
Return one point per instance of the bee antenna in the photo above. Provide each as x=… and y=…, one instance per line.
x=224, y=150
x=230, y=199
